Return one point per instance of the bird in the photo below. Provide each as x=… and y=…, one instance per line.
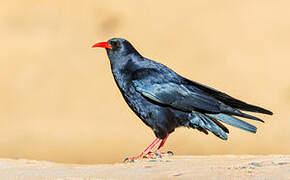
x=165, y=100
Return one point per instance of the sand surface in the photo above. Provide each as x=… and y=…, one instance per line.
x=176, y=167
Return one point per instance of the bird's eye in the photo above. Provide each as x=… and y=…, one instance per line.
x=116, y=44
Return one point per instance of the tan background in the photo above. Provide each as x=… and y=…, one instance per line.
x=58, y=100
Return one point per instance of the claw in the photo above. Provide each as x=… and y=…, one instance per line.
x=158, y=155
x=128, y=160
x=153, y=155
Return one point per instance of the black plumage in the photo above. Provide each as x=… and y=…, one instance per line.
x=164, y=100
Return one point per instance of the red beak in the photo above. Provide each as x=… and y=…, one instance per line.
x=103, y=45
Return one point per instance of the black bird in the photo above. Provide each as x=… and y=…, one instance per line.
x=164, y=100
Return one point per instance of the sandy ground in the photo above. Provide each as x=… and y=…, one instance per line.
x=176, y=167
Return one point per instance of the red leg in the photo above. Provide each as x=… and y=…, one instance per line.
x=158, y=152
x=145, y=152
x=162, y=143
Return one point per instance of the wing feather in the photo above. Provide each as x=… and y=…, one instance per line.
x=177, y=96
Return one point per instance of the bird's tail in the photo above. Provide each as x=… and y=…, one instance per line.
x=233, y=121
x=212, y=123
x=232, y=111
x=247, y=107
x=203, y=123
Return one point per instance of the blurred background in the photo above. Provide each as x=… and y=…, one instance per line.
x=58, y=99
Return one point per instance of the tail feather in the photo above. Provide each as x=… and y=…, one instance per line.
x=220, y=124
x=232, y=111
x=201, y=121
x=249, y=117
x=233, y=121
x=248, y=107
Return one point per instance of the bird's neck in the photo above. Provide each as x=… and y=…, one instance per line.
x=123, y=70
x=126, y=65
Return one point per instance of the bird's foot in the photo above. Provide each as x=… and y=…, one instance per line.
x=130, y=160
x=153, y=155
x=134, y=159
x=150, y=155
x=158, y=153
x=147, y=153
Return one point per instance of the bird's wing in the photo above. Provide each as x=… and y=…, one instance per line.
x=160, y=89
x=226, y=99
x=177, y=96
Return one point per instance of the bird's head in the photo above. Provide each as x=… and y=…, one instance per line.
x=116, y=48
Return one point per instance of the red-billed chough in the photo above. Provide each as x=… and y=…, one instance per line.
x=164, y=100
